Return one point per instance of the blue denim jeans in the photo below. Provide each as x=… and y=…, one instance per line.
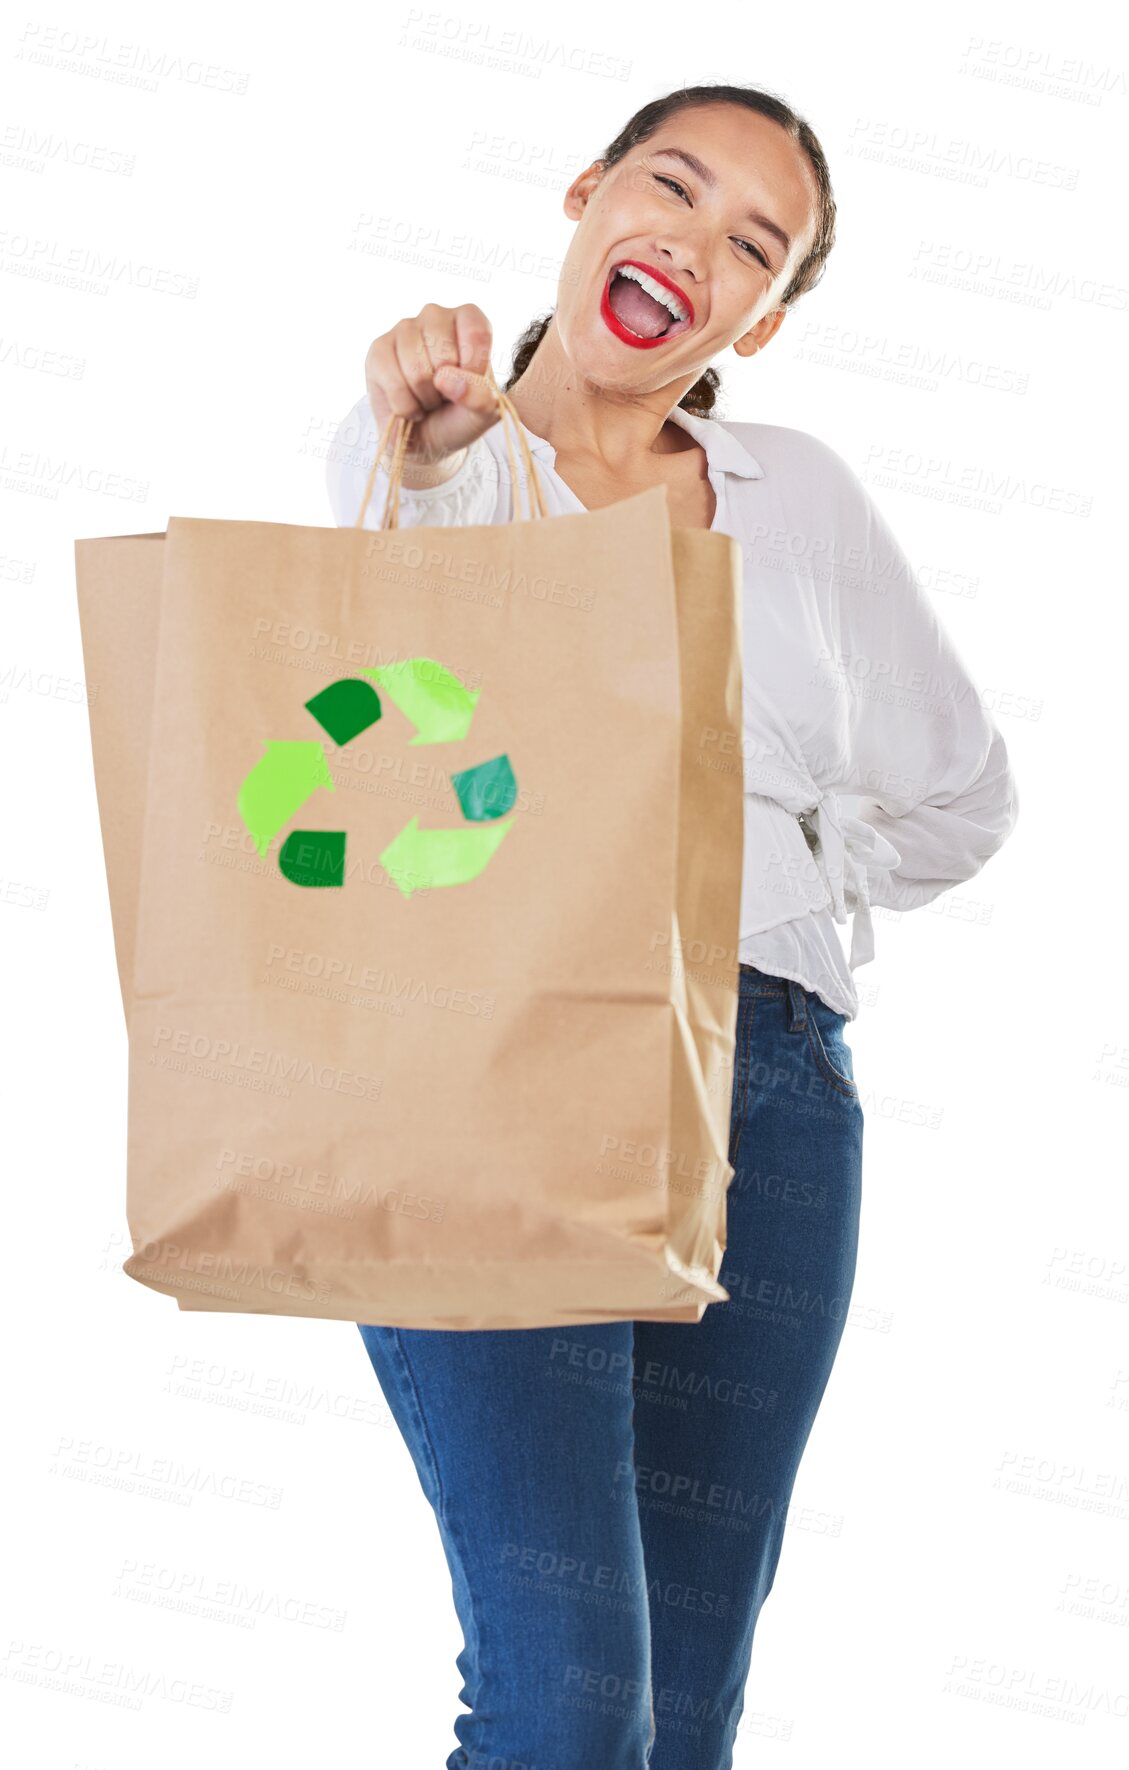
x=612, y=1499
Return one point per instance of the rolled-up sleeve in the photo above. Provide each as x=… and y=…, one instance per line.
x=927, y=762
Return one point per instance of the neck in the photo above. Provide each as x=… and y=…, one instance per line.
x=583, y=421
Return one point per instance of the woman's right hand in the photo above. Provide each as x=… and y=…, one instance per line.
x=413, y=371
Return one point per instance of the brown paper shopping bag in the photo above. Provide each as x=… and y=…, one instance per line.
x=424, y=855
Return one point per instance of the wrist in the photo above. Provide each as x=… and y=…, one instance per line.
x=420, y=476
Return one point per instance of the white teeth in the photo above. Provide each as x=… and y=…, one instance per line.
x=658, y=290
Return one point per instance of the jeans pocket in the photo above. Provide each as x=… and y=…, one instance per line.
x=829, y=1046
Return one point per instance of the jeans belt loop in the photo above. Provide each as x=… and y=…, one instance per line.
x=797, y=1006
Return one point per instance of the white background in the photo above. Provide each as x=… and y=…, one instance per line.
x=966, y=1593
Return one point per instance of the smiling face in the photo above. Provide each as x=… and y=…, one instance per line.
x=706, y=261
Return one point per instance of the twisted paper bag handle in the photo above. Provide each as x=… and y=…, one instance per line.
x=390, y=517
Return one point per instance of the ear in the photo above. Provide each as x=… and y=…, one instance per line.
x=758, y=336
x=581, y=188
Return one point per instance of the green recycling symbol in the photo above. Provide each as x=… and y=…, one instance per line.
x=290, y=771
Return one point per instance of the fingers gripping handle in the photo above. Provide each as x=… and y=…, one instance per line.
x=512, y=427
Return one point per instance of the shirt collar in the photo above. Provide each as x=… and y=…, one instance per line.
x=721, y=446
x=723, y=452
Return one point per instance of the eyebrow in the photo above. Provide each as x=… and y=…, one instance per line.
x=708, y=178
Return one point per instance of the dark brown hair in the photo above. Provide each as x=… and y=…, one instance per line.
x=701, y=398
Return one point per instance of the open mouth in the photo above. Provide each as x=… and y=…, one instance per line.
x=642, y=309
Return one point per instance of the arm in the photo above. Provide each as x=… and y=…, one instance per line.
x=468, y=495
x=936, y=793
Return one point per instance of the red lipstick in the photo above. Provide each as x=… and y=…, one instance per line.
x=623, y=332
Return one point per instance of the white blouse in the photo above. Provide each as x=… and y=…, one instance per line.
x=852, y=689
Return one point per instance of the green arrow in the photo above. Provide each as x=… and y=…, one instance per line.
x=486, y=791
x=313, y=857
x=416, y=859
x=346, y=708
x=433, y=699
x=281, y=781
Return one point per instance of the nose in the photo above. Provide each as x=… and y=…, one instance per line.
x=681, y=257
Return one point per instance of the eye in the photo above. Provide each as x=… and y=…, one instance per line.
x=755, y=251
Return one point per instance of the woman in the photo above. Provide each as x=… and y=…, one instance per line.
x=612, y=1500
